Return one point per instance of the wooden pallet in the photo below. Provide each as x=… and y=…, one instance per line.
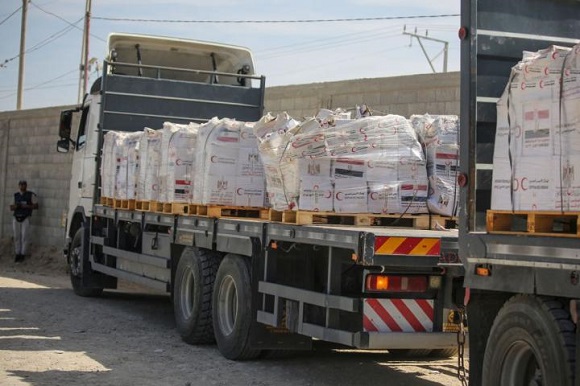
x=106, y=201
x=220, y=211
x=419, y=221
x=557, y=224
x=143, y=205
x=123, y=204
x=181, y=208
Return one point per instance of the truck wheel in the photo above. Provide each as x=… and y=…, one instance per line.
x=194, y=279
x=78, y=268
x=232, y=306
x=531, y=343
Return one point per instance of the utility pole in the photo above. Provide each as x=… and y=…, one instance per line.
x=84, y=71
x=21, y=56
x=445, y=50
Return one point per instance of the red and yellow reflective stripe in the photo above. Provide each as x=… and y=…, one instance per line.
x=385, y=245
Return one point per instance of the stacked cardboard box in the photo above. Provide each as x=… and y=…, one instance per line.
x=538, y=134
x=177, y=168
x=229, y=168
x=439, y=136
x=149, y=164
x=330, y=163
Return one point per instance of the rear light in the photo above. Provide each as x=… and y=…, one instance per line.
x=391, y=283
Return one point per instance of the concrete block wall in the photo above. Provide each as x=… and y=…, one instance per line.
x=403, y=95
x=28, y=138
x=28, y=151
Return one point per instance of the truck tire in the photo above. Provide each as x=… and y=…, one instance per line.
x=531, y=343
x=194, y=280
x=78, y=268
x=232, y=309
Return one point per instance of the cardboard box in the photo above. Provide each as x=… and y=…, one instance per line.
x=249, y=163
x=384, y=198
x=316, y=194
x=250, y=192
x=221, y=160
x=349, y=168
x=350, y=196
x=219, y=190
x=414, y=196
x=317, y=167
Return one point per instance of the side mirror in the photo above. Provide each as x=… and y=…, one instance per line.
x=62, y=146
x=64, y=129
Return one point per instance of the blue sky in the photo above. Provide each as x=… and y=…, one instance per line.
x=286, y=53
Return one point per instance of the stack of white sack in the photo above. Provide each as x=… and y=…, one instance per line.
x=112, y=154
x=230, y=170
x=372, y=164
x=439, y=135
x=126, y=186
x=149, y=164
x=177, y=168
x=273, y=134
x=537, y=143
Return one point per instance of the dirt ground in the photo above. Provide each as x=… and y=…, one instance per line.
x=49, y=336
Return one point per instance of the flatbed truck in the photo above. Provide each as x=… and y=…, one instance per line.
x=252, y=285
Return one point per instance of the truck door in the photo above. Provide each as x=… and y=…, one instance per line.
x=84, y=165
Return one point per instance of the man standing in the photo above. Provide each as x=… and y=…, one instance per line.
x=24, y=203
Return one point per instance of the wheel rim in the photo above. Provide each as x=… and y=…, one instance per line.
x=227, y=305
x=75, y=261
x=186, y=293
x=521, y=367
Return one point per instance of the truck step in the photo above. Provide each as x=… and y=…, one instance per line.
x=416, y=221
x=557, y=224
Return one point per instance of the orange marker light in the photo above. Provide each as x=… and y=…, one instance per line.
x=482, y=271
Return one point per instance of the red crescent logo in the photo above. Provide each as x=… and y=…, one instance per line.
x=339, y=196
x=523, y=86
x=240, y=191
x=374, y=195
x=541, y=83
x=554, y=55
x=178, y=162
x=328, y=194
x=567, y=72
x=525, y=179
x=213, y=158
x=370, y=164
x=547, y=71
x=154, y=187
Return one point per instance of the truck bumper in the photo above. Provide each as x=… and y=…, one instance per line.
x=383, y=340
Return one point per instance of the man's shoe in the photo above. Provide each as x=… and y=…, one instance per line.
x=19, y=258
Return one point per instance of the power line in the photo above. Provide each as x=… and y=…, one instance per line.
x=42, y=43
x=42, y=84
x=342, y=38
x=66, y=21
x=277, y=21
x=9, y=16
